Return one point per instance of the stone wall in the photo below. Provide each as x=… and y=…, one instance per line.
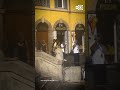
x=72, y=74
x=49, y=67
x=16, y=75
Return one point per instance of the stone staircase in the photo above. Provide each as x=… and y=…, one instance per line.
x=16, y=75
x=48, y=66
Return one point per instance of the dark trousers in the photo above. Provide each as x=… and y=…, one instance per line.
x=76, y=59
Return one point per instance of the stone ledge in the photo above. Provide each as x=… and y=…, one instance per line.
x=18, y=67
x=47, y=68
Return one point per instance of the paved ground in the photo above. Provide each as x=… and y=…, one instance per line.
x=57, y=85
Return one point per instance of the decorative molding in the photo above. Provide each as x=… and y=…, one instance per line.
x=45, y=21
x=59, y=10
x=78, y=22
x=59, y=21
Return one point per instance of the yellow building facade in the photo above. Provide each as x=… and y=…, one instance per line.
x=60, y=17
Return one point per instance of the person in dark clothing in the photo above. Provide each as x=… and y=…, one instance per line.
x=22, y=50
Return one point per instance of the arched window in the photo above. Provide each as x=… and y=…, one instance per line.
x=79, y=36
x=79, y=31
x=42, y=27
x=42, y=35
x=61, y=28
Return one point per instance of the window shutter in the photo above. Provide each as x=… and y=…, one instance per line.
x=65, y=4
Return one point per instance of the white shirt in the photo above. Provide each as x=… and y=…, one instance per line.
x=62, y=46
x=98, y=56
x=76, y=49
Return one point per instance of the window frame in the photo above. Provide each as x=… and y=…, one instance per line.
x=63, y=6
x=42, y=3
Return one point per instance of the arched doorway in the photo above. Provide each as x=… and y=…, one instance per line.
x=61, y=34
x=42, y=34
x=61, y=29
x=79, y=36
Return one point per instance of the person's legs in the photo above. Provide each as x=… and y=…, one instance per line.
x=77, y=62
x=76, y=57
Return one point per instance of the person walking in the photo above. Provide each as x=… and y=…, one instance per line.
x=76, y=53
x=62, y=45
x=98, y=52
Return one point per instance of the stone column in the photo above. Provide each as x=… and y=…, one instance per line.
x=50, y=39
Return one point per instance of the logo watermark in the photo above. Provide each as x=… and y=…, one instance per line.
x=79, y=7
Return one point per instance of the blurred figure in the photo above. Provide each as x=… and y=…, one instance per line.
x=98, y=51
x=109, y=54
x=76, y=53
x=21, y=50
x=44, y=46
x=59, y=52
x=53, y=47
x=55, y=44
x=39, y=45
x=62, y=45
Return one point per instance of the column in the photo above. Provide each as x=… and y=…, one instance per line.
x=83, y=43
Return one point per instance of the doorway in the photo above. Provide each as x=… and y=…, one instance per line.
x=42, y=35
x=62, y=35
x=79, y=36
